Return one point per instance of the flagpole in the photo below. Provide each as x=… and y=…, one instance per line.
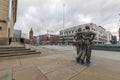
x=119, y=30
x=63, y=21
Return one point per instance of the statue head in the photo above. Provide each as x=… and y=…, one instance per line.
x=87, y=27
x=79, y=29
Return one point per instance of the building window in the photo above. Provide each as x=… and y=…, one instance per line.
x=3, y=21
x=66, y=32
x=0, y=28
x=61, y=33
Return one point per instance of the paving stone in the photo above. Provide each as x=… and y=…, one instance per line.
x=28, y=61
x=31, y=73
x=50, y=67
x=78, y=67
x=11, y=63
x=6, y=74
x=61, y=74
x=104, y=69
x=22, y=67
x=52, y=63
x=25, y=63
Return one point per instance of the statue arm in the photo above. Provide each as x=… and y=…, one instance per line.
x=75, y=36
x=93, y=36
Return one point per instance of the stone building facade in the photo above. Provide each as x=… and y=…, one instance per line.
x=31, y=37
x=67, y=35
x=31, y=34
x=8, y=10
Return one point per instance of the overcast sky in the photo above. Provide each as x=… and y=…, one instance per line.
x=43, y=15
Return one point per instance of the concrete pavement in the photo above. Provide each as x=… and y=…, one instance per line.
x=61, y=65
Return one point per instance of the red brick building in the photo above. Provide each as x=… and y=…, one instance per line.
x=48, y=39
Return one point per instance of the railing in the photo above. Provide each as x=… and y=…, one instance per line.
x=107, y=47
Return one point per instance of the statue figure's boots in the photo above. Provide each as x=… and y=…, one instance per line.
x=88, y=61
x=82, y=61
x=77, y=59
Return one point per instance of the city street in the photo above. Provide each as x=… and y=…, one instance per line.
x=98, y=53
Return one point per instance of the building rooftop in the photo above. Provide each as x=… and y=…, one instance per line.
x=78, y=26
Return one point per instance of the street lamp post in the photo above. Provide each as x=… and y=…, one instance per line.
x=119, y=31
x=63, y=21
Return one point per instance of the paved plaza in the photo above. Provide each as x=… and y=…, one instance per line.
x=58, y=63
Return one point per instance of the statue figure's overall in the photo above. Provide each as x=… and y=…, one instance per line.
x=84, y=45
x=79, y=44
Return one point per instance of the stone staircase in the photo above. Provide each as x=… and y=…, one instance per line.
x=8, y=51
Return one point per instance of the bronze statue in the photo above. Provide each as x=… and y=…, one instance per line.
x=84, y=44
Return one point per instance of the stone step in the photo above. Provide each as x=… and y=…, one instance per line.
x=10, y=52
x=19, y=54
x=21, y=49
x=8, y=47
x=11, y=47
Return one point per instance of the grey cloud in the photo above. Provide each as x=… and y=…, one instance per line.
x=48, y=14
